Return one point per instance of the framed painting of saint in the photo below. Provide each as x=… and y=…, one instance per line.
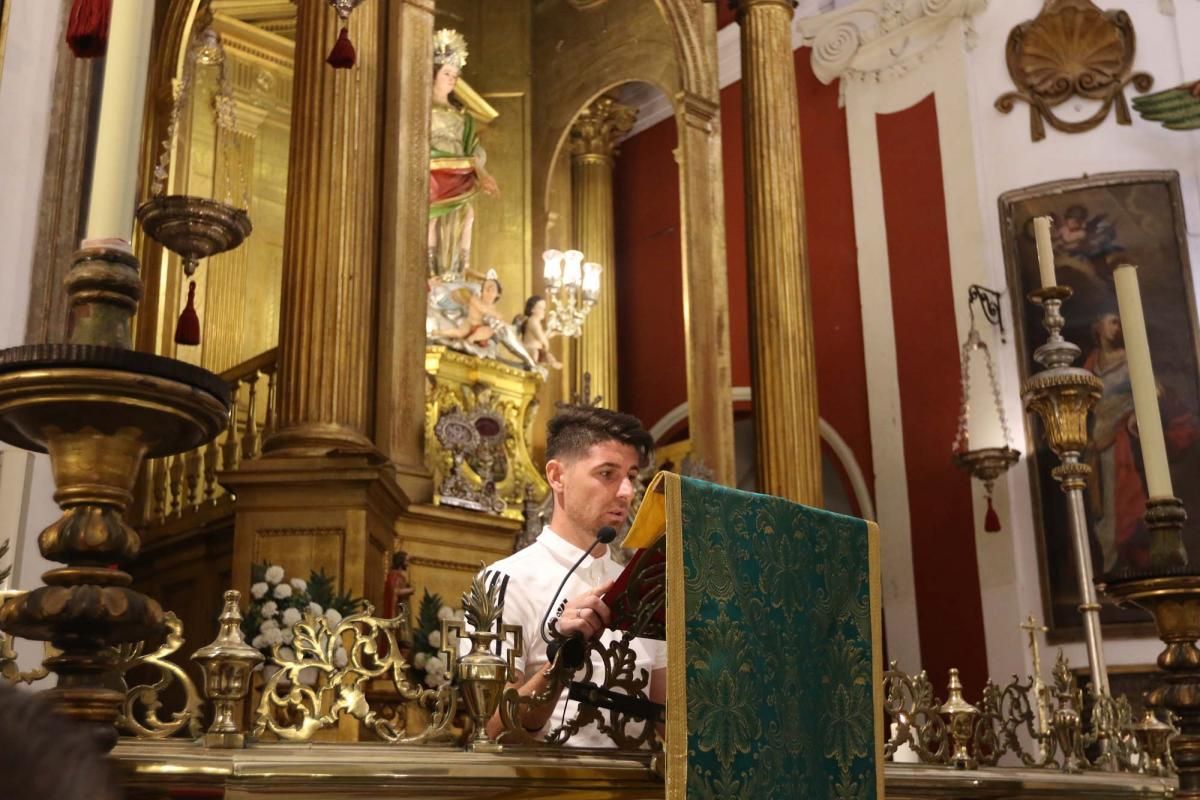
x=1099, y=223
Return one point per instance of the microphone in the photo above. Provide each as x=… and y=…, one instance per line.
x=574, y=647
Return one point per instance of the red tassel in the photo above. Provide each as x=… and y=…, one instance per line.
x=187, y=330
x=991, y=520
x=342, y=55
x=87, y=28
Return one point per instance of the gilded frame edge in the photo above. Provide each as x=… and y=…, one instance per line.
x=1006, y=202
x=5, y=8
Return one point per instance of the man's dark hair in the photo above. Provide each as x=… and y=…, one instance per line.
x=45, y=756
x=574, y=429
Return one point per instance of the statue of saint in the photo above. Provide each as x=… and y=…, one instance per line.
x=457, y=166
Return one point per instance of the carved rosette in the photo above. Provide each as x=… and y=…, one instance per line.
x=1063, y=401
x=598, y=127
x=1072, y=49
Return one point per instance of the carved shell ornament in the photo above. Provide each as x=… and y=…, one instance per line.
x=1072, y=49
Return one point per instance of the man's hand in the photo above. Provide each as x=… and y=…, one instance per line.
x=586, y=614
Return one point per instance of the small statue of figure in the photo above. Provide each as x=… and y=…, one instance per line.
x=457, y=165
x=463, y=316
x=532, y=331
x=395, y=586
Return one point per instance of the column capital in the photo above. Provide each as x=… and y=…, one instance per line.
x=744, y=6
x=598, y=127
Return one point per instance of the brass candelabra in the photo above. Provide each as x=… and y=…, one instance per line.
x=1062, y=395
x=98, y=408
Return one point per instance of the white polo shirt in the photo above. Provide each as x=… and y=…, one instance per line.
x=533, y=575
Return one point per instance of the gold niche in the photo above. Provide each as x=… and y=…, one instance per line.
x=479, y=416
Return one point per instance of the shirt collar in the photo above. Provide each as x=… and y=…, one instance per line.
x=563, y=551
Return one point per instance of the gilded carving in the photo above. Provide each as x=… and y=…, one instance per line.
x=498, y=403
x=598, y=127
x=1072, y=49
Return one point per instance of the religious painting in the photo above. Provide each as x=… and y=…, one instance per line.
x=1100, y=223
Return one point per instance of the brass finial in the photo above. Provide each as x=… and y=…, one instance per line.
x=961, y=718
x=227, y=663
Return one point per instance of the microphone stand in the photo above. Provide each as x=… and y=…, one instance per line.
x=573, y=647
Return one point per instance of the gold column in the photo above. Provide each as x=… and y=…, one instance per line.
x=706, y=286
x=400, y=358
x=593, y=144
x=330, y=242
x=321, y=498
x=784, y=379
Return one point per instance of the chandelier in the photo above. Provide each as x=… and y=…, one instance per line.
x=572, y=288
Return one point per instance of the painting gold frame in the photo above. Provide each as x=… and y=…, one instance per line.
x=5, y=7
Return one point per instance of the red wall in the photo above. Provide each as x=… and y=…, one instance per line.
x=649, y=277
x=651, y=341
x=949, y=606
x=649, y=281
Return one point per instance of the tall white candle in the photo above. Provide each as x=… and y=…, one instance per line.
x=119, y=133
x=1141, y=376
x=1045, y=251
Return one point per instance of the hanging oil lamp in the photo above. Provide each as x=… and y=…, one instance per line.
x=985, y=464
x=194, y=227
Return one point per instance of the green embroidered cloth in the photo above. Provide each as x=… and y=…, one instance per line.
x=774, y=654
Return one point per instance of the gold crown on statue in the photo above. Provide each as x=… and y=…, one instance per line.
x=449, y=47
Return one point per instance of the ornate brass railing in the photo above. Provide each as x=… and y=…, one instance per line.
x=291, y=709
x=184, y=485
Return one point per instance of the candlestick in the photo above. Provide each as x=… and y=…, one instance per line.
x=1045, y=251
x=119, y=131
x=1141, y=376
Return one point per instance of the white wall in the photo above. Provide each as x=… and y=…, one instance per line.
x=1007, y=159
x=26, y=81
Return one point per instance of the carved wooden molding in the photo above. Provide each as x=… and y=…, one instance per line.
x=882, y=40
x=438, y=563
x=1072, y=49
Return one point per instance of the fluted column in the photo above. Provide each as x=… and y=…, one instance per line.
x=784, y=379
x=330, y=244
x=400, y=358
x=593, y=146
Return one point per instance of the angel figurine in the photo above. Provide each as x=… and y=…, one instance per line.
x=531, y=328
x=463, y=315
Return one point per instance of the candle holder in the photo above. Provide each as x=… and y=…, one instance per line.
x=1062, y=395
x=1172, y=596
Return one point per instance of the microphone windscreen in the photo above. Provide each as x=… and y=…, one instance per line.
x=606, y=534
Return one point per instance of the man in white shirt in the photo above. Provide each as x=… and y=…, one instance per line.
x=593, y=456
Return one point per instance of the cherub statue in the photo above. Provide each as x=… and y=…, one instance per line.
x=463, y=315
x=530, y=327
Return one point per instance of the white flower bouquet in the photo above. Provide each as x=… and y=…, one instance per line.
x=278, y=603
x=429, y=663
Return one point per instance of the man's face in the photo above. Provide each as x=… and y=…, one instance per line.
x=596, y=489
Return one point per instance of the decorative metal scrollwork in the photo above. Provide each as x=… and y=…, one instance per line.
x=313, y=690
x=1008, y=717
x=140, y=713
